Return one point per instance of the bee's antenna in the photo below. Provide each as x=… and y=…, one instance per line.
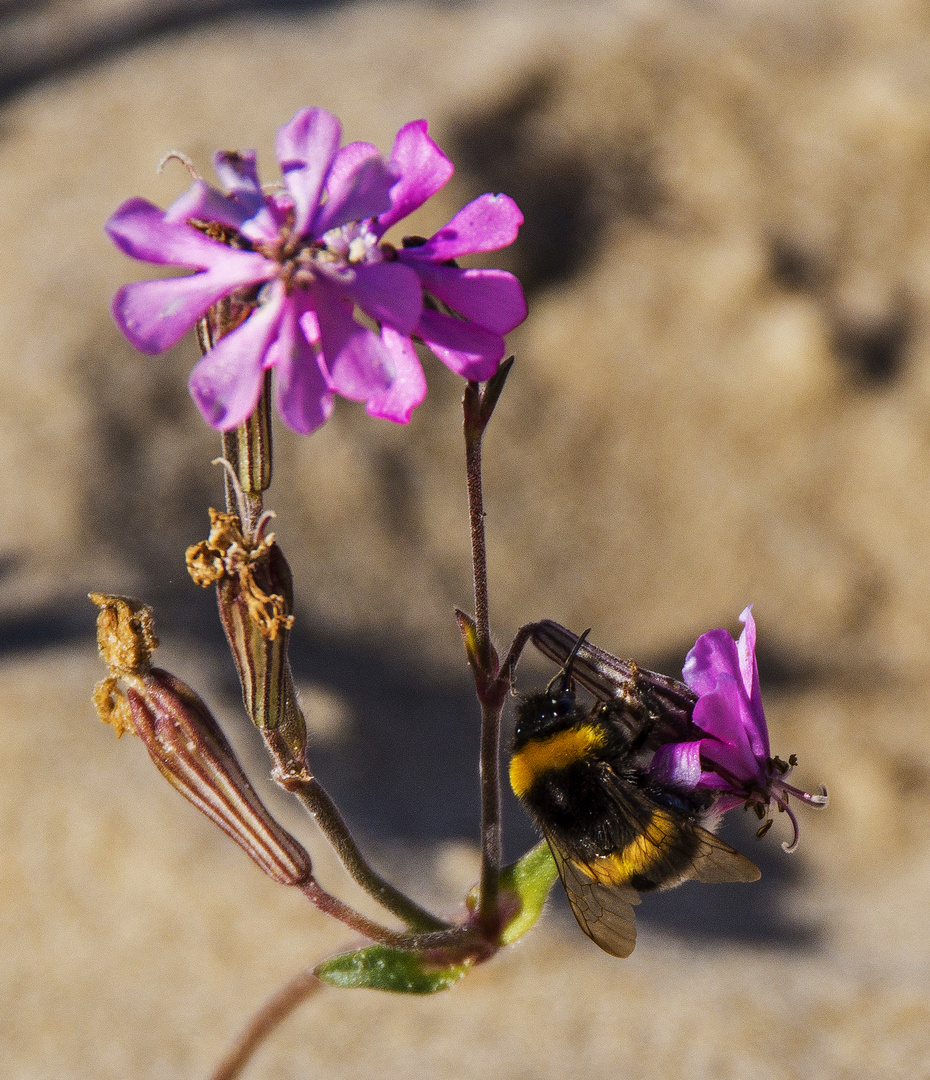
x=566, y=673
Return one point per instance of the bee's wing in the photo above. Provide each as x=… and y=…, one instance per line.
x=671, y=848
x=604, y=912
x=716, y=862
x=608, y=677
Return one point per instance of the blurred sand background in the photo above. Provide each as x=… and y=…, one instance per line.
x=722, y=394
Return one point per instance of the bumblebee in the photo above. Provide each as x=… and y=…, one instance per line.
x=614, y=830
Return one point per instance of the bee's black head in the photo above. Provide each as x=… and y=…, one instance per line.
x=554, y=709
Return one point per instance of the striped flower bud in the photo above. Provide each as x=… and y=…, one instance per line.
x=186, y=743
x=255, y=597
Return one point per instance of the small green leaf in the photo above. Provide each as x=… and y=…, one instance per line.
x=377, y=967
x=530, y=879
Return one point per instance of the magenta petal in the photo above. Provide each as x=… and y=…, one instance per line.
x=724, y=712
x=726, y=715
x=358, y=187
x=358, y=363
x=713, y=654
x=678, y=764
x=239, y=176
x=746, y=651
x=306, y=146
x=749, y=671
x=466, y=349
x=305, y=401
x=138, y=228
x=485, y=224
x=492, y=299
x=738, y=771
x=388, y=292
x=204, y=203
x=154, y=315
x=408, y=387
x=226, y=383
x=345, y=164
x=423, y=168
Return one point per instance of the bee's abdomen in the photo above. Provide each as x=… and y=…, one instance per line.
x=656, y=857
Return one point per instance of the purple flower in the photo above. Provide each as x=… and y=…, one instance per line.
x=734, y=760
x=489, y=303
x=291, y=265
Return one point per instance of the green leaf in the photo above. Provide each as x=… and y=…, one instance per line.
x=377, y=967
x=530, y=879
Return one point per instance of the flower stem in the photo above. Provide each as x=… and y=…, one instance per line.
x=478, y=406
x=274, y=1012
x=294, y=776
x=331, y=905
x=248, y=450
x=474, y=433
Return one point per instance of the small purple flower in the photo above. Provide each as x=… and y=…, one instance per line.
x=291, y=265
x=734, y=761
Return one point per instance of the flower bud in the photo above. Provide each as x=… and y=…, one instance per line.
x=184, y=740
x=191, y=752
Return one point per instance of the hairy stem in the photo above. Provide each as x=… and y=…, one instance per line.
x=474, y=433
x=273, y=1013
x=477, y=412
x=458, y=936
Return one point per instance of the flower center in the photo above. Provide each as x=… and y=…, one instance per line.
x=334, y=255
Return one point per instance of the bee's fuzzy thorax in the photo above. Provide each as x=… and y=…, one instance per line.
x=540, y=756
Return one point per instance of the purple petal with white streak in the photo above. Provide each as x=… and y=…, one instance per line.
x=138, y=228
x=305, y=147
x=225, y=384
x=423, y=167
x=485, y=224
x=492, y=299
x=749, y=673
x=407, y=389
x=713, y=653
x=154, y=315
x=466, y=349
x=678, y=764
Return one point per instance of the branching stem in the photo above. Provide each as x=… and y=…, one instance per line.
x=478, y=406
x=295, y=777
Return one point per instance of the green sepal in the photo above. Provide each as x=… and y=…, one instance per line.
x=378, y=967
x=530, y=880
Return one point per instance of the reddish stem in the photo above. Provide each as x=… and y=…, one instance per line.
x=273, y=1013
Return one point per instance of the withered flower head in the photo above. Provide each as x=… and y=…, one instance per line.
x=185, y=741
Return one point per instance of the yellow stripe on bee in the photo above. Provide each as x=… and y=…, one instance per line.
x=638, y=856
x=557, y=751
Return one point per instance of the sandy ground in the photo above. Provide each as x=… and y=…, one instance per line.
x=721, y=396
